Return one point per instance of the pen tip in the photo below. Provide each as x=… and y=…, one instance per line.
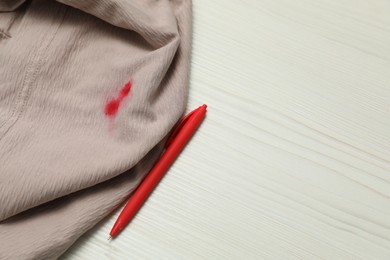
x=204, y=106
x=109, y=238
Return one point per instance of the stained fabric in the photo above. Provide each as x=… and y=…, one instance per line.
x=88, y=92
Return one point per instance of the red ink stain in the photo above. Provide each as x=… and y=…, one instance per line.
x=112, y=106
x=125, y=90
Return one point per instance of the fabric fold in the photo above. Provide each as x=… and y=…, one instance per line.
x=89, y=89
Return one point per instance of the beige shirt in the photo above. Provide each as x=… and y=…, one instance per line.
x=88, y=89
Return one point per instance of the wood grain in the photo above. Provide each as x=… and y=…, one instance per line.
x=293, y=159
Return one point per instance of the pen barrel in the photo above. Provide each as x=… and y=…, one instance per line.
x=165, y=161
x=159, y=169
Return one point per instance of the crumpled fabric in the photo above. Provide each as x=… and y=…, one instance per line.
x=89, y=91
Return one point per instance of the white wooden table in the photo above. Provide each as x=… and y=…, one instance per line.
x=292, y=161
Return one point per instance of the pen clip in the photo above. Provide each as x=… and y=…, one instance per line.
x=179, y=127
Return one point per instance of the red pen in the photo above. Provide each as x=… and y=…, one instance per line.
x=174, y=146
